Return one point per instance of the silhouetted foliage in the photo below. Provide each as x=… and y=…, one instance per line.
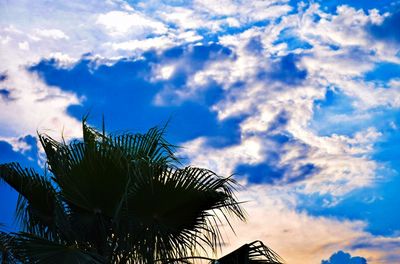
x=116, y=199
x=253, y=253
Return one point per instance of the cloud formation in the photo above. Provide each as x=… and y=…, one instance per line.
x=341, y=257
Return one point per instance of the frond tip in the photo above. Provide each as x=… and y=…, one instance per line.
x=253, y=253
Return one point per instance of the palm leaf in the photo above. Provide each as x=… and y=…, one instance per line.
x=104, y=160
x=180, y=210
x=6, y=256
x=33, y=249
x=253, y=253
x=37, y=200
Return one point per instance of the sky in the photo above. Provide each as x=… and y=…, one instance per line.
x=300, y=100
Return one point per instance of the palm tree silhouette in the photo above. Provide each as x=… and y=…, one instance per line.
x=116, y=199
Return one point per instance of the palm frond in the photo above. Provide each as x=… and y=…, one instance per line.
x=150, y=146
x=6, y=256
x=33, y=249
x=253, y=253
x=179, y=209
x=37, y=200
x=102, y=159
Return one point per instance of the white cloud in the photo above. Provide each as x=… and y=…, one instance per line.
x=218, y=16
x=184, y=18
x=142, y=45
x=36, y=107
x=18, y=144
x=23, y=45
x=120, y=22
x=244, y=11
x=223, y=161
x=51, y=33
x=164, y=72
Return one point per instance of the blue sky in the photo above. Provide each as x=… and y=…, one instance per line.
x=299, y=100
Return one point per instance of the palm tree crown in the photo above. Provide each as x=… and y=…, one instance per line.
x=116, y=199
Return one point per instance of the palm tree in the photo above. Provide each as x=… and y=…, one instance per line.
x=116, y=199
